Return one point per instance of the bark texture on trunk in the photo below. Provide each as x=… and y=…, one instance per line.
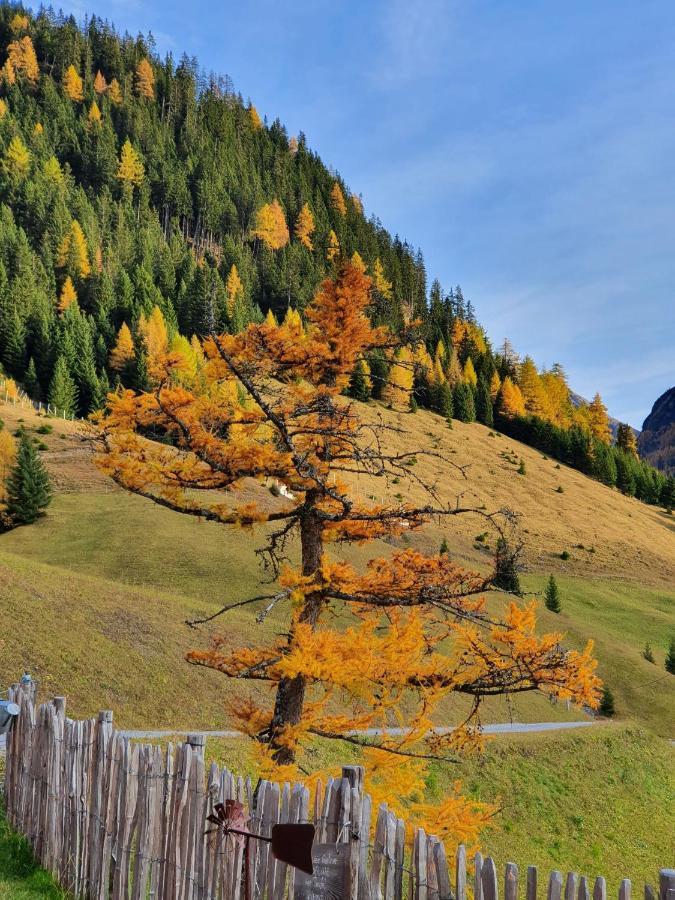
x=290, y=699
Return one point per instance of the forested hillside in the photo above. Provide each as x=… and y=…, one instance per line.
x=145, y=205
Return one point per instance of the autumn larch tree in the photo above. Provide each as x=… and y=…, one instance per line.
x=115, y=92
x=414, y=629
x=100, y=84
x=72, y=84
x=599, y=420
x=16, y=162
x=304, y=227
x=68, y=295
x=270, y=226
x=73, y=254
x=145, y=80
x=337, y=199
x=130, y=170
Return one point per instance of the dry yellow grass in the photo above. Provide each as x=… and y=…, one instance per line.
x=98, y=590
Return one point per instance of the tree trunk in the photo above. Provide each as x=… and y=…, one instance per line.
x=290, y=699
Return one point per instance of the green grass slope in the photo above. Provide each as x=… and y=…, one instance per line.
x=95, y=595
x=596, y=800
x=20, y=877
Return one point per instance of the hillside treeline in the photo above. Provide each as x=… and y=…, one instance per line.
x=144, y=205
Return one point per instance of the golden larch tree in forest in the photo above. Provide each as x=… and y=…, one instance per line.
x=337, y=199
x=598, y=420
x=270, y=226
x=381, y=283
x=396, y=392
x=532, y=389
x=469, y=372
x=16, y=161
x=333, y=249
x=304, y=227
x=234, y=289
x=357, y=262
x=73, y=253
x=123, y=351
x=72, y=84
x=7, y=457
x=254, y=118
x=155, y=335
x=21, y=61
x=145, y=79
x=356, y=648
x=68, y=295
x=495, y=384
x=115, y=92
x=100, y=84
x=18, y=24
x=510, y=399
x=94, y=114
x=51, y=169
x=130, y=170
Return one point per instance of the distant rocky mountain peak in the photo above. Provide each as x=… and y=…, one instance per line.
x=656, y=443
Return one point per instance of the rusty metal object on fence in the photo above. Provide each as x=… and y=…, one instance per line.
x=291, y=844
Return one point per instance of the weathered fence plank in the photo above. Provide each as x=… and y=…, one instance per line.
x=117, y=820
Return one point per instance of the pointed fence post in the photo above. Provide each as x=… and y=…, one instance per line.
x=488, y=878
x=511, y=881
x=667, y=884
x=531, y=883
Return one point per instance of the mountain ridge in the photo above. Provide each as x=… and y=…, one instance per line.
x=656, y=443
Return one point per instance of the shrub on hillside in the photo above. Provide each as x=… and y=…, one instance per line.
x=607, y=707
x=552, y=596
x=670, y=657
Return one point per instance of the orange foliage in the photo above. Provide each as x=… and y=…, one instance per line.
x=270, y=226
x=337, y=199
x=359, y=649
x=123, y=351
x=304, y=227
x=21, y=60
x=115, y=92
x=72, y=84
x=145, y=80
x=68, y=295
x=100, y=84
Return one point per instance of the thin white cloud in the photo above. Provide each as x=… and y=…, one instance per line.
x=411, y=37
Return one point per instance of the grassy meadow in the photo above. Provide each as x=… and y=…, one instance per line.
x=95, y=596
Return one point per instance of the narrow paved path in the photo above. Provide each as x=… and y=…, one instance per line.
x=501, y=728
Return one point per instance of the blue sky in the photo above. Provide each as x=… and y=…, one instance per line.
x=527, y=147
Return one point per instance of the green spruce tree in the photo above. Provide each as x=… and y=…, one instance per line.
x=552, y=595
x=484, y=411
x=670, y=657
x=607, y=707
x=30, y=381
x=465, y=408
x=28, y=487
x=648, y=653
x=62, y=393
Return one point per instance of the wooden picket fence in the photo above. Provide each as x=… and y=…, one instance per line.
x=112, y=818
